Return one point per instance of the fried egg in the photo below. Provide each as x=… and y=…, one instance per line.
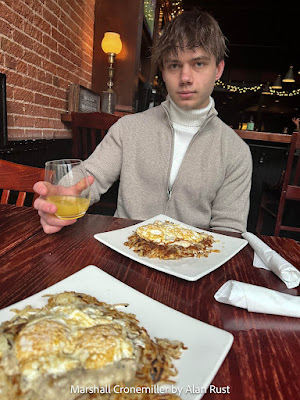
x=169, y=233
x=75, y=340
x=66, y=337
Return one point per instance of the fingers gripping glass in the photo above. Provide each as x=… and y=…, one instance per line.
x=69, y=188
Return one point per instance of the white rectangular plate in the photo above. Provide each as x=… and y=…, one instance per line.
x=191, y=268
x=207, y=345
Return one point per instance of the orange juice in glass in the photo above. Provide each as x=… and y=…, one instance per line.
x=70, y=190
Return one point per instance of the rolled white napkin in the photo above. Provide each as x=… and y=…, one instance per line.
x=273, y=261
x=258, y=299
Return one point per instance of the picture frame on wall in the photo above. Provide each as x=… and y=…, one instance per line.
x=3, y=111
x=82, y=99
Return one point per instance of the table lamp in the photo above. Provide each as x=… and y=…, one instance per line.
x=112, y=45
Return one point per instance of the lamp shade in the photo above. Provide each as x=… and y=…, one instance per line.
x=266, y=89
x=111, y=43
x=289, y=77
x=277, y=84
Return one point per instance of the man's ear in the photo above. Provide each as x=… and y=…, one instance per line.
x=220, y=69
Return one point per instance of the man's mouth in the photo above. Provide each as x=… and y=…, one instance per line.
x=186, y=94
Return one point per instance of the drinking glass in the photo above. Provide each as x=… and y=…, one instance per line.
x=70, y=190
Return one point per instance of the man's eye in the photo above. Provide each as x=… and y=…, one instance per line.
x=199, y=64
x=173, y=66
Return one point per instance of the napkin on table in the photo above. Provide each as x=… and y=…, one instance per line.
x=258, y=299
x=269, y=259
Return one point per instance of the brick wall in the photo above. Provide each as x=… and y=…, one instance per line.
x=45, y=45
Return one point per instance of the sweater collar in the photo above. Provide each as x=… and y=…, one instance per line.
x=193, y=118
x=189, y=117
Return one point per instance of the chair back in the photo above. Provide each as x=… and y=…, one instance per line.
x=88, y=129
x=20, y=179
x=290, y=187
x=293, y=163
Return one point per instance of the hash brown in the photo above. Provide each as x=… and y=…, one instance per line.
x=77, y=340
x=169, y=241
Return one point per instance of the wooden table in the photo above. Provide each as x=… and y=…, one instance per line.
x=264, y=361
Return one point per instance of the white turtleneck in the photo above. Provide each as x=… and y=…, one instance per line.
x=186, y=123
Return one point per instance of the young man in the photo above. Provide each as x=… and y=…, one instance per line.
x=178, y=158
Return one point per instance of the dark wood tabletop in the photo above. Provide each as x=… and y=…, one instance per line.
x=264, y=361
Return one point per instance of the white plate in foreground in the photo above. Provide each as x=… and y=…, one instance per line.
x=207, y=345
x=191, y=268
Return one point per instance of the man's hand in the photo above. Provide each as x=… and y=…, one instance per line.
x=47, y=210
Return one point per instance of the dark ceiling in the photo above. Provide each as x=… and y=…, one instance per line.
x=263, y=41
x=262, y=35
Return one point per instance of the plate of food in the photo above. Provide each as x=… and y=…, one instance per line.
x=173, y=247
x=92, y=335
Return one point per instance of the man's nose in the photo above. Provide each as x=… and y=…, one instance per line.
x=186, y=76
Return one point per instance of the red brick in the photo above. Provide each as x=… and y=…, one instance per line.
x=23, y=94
x=6, y=29
x=23, y=39
x=32, y=71
x=49, y=112
x=12, y=48
x=42, y=123
x=15, y=107
x=32, y=58
x=49, y=66
x=53, y=7
x=64, y=6
x=42, y=50
x=50, y=17
x=28, y=82
x=57, y=124
x=41, y=99
x=58, y=103
x=33, y=32
x=62, y=134
x=22, y=9
x=12, y=17
x=46, y=45
x=58, y=36
x=10, y=62
x=9, y=91
x=42, y=24
x=31, y=109
x=45, y=76
x=22, y=66
x=14, y=78
x=49, y=42
x=75, y=17
x=15, y=133
x=47, y=134
x=36, y=6
x=23, y=121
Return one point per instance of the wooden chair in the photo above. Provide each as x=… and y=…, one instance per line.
x=16, y=182
x=274, y=199
x=88, y=129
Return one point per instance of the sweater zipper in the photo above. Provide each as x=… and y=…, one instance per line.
x=170, y=191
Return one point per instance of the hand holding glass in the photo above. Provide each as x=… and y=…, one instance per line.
x=70, y=190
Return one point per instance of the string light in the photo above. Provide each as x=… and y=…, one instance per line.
x=254, y=88
x=173, y=8
x=149, y=12
x=238, y=89
x=283, y=93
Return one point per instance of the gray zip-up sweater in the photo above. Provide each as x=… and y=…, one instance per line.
x=212, y=185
